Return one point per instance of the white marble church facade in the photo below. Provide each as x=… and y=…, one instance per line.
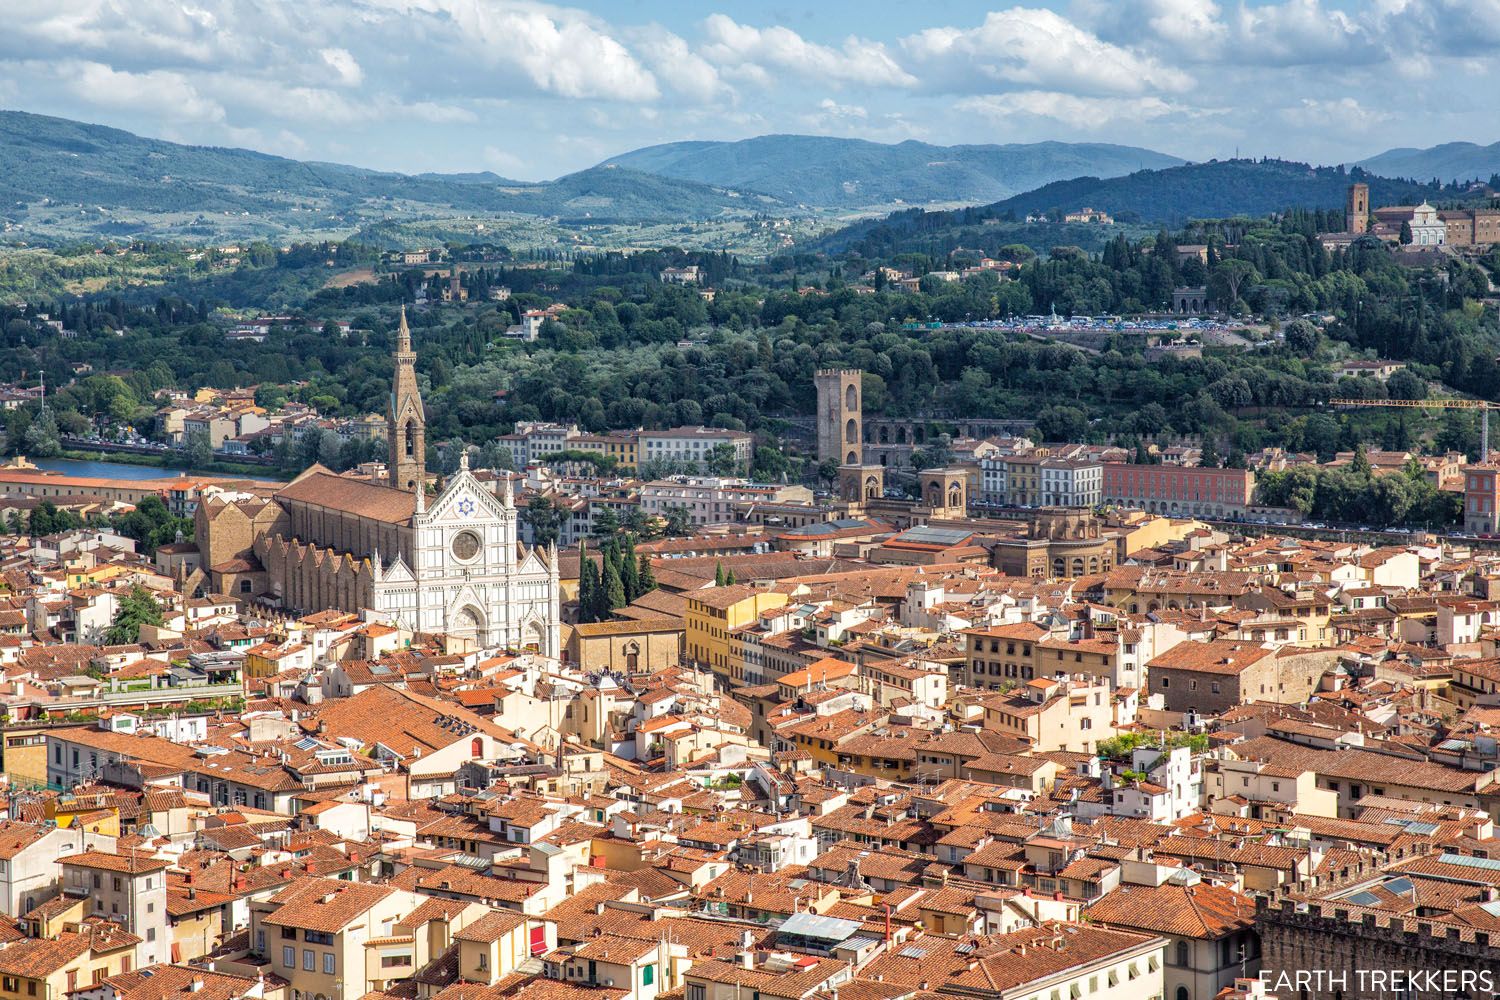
x=466, y=576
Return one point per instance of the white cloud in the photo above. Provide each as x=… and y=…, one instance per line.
x=1035, y=48
x=676, y=65
x=1086, y=113
x=1302, y=32
x=344, y=67
x=159, y=91
x=1344, y=115
x=754, y=52
x=833, y=109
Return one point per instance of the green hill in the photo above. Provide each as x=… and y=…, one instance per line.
x=53, y=170
x=1212, y=190
x=849, y=173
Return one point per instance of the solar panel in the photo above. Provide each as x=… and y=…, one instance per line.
x=305, y=743
x=1468, y=861
x=1399, y=886
x=912, y=952
x=1362, y=899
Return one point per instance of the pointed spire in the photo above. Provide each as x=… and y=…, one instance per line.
x=510, y=496
x=403, y=333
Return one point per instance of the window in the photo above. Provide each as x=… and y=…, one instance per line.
x=695, y=991
x=317, y=937
x=309, y=960
x=289, y=956
x=150, y=933
x=328, y=967
x=648, y=975
x=260, y=942
x=289, y=933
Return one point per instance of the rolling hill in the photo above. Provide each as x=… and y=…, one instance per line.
x=850, y=173
x=1449, y=161
x=53, y=167
x=1216, y=189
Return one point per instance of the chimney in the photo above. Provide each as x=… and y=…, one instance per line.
x=196, y=985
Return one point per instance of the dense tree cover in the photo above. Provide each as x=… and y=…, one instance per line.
x=1352, y=493
x=628, y=351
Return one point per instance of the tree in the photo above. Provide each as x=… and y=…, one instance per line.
x=1405, y=236
x=42, y=439
x=614, y=587
x=679, y=521
x=1062, y=423
x=137, y=608
x=719, y=578
x=198, y=449
x=645, y=577
x=1210, y=454
x=1230, y=279
x=723, y=460
x=1302, y=337
x=629, y=571
x=588, y=586
x=1404, y=384
x=544, y=518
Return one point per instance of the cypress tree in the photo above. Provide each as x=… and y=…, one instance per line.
x=645, y=578
x=718, y=574
x=588, y=586
x=628, y=574
x=614, y=590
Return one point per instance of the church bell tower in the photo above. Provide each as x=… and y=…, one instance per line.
x=406, y=423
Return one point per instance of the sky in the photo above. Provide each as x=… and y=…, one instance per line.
x=532, y=90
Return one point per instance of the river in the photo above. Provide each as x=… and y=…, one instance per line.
x=123, y=470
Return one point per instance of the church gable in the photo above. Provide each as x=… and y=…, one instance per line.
x=464, y=501
x=398, y=572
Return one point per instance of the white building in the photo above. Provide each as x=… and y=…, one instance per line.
x=711, y=499
x=692, y=444
x=1427, y=229
x=468, y=577
x=1071, y=483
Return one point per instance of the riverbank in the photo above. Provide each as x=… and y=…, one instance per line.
x=97, y=464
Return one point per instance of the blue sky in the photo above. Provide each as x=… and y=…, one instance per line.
x=534, y=90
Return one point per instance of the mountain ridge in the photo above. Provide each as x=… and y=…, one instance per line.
x=47, y=161
x=1459, y=160
x=837, y=172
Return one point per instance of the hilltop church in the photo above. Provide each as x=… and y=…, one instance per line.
x=452, y=564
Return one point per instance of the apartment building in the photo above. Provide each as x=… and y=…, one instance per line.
x=1482, y=499
x=1179, y=489
x=693, y=444
x=713, y=499
x=129, y=889
x=329, y=937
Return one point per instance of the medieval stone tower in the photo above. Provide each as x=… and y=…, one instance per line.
x=406, y=423
x=1358, y=209
x=840, y=426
